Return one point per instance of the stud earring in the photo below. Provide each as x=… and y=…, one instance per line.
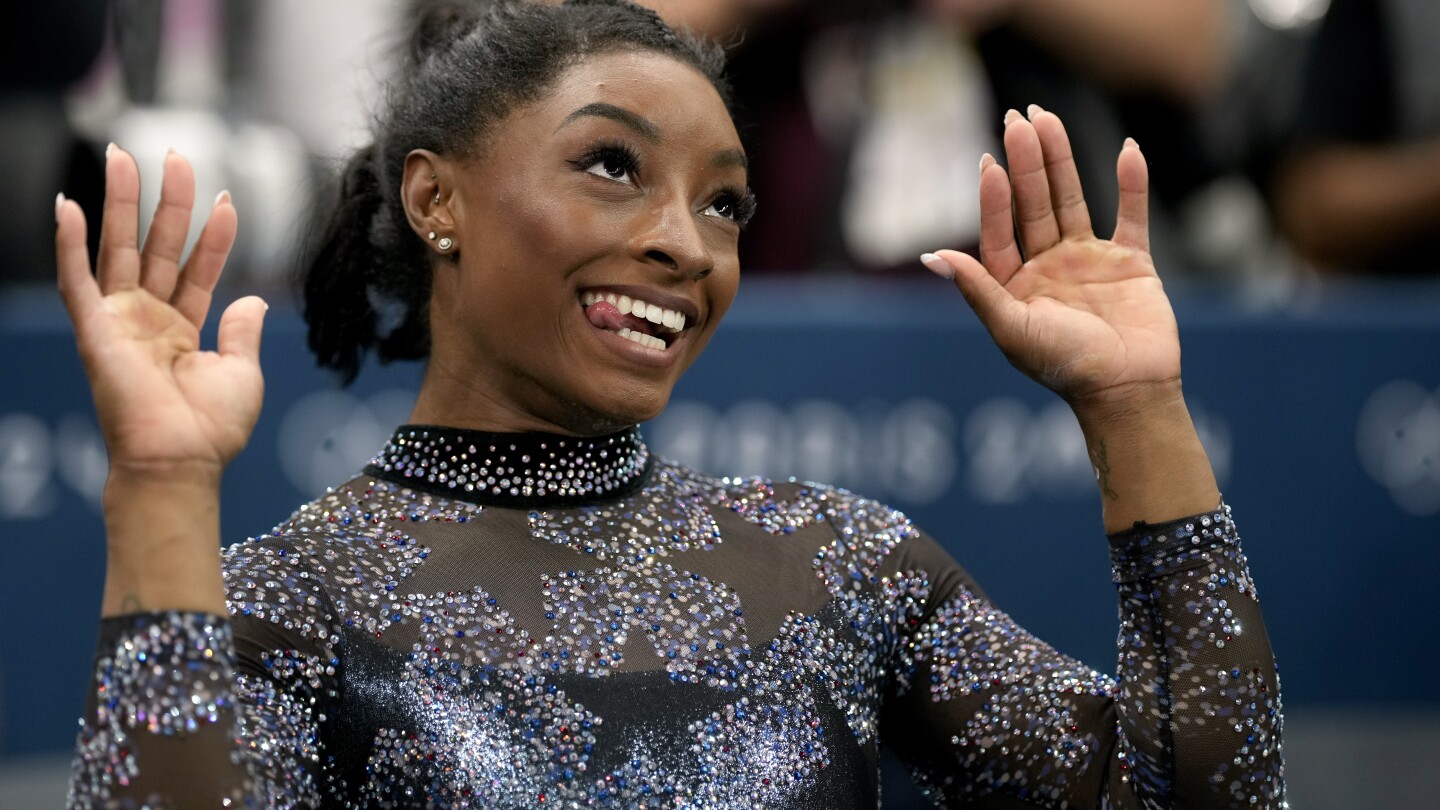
x=430, y=236
x=436, y=199
x=445, y=243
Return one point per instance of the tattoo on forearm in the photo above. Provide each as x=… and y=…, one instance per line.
x=1102, y=471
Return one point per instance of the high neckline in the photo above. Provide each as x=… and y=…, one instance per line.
x=519, y=470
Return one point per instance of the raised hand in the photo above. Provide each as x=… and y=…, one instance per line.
x=165, y=407
x=1087, y=318
x=1084, y=316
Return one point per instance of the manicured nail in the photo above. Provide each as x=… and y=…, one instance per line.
x=1131, y=144
x=1033, y=110
x=59, y=203
x=223, y=196
x=986, y=161
x=1012, y=116
x=937, y=265
x=109, y=149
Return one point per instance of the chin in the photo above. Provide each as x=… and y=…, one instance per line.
x=598, y=416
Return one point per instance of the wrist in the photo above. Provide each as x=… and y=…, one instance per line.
x=162, y=532
x=1131, y=407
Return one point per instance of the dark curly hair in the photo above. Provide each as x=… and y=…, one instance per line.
x=366, y=279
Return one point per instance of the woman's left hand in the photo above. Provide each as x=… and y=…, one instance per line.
x=1086, y=317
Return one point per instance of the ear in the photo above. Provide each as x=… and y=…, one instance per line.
x=426, y=194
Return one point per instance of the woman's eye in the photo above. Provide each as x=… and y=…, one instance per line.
x=723, y=207
x=613, y=167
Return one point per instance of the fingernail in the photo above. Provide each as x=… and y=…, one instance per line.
x=109, y=150
x=59, y=202
x=986, y=161
x=1131, y=144
x=1012, y=116
x=1033, y=110
x=223, y=196
x=937, y=265
x=169, y=150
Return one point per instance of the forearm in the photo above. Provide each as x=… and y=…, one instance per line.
x=1341, y=205
x=163, y=540
x=1173, y=46
x=1149, y=463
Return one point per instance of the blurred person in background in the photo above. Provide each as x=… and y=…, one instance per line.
x=852, y=108
x=45, y=48
x=1359, y=190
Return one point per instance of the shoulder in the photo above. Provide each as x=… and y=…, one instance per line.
x=355, y=541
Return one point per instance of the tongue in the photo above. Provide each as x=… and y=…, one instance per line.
x=605, y=315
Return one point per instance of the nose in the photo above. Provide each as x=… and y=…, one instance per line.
x=669, y=235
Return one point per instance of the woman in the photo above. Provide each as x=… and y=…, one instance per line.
x=515, y=604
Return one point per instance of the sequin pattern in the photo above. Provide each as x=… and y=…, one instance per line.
x=529, y=621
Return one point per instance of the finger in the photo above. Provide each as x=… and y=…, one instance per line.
x=78, y=288
x=1132, y=222
x=993, y=304
x=119, y=259
x=240, y=328
x=998, y=250
x=207, y=261
x=1034, y=216
x=165, y=242
x=1067, y=199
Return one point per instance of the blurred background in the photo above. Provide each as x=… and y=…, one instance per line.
x=1295, y=155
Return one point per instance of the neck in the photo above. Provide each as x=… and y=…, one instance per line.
x=457, y=401
x=514, y=469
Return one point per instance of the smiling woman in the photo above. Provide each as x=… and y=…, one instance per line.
x=515, y=604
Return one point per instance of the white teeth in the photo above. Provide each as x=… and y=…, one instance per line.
x=668, y=318
x=643, y=339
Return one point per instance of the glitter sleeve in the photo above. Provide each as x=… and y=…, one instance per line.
x=192, y=709
x=987, y=715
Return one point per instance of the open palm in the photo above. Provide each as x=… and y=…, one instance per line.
x=1084, y=316
x=164, y=405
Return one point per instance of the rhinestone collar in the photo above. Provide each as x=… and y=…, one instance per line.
x=520, y=470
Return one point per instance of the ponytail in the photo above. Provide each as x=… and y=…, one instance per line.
x=344, y=279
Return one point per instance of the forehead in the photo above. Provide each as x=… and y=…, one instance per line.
x=678, y=99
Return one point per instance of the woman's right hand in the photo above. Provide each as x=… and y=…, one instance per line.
x=167, y=410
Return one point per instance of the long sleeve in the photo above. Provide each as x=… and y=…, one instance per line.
x=989, y=716
x=197, y=710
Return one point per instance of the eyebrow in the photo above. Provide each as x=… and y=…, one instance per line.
x=646, y=129
x=642, y=126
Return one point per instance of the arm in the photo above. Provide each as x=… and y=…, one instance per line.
x=1342, y=204
x=987, y=715
x=171, y=698
x=1089, y=319
x=1176, y=47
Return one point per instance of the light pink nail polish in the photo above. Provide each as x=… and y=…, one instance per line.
x=937, y=265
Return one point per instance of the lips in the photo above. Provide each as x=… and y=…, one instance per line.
x=648, y=323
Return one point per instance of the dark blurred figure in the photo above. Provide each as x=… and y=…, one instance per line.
x=44, y=48
x=1359, y=190
x=875, y=112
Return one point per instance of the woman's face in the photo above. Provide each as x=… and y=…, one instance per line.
x=624, y=184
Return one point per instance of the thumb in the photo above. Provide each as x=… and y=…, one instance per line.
x=992, y=303
x=240, y=328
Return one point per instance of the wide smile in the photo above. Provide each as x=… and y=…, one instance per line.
x=652, y=321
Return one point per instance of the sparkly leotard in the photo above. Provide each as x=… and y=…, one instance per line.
x=485, y=620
